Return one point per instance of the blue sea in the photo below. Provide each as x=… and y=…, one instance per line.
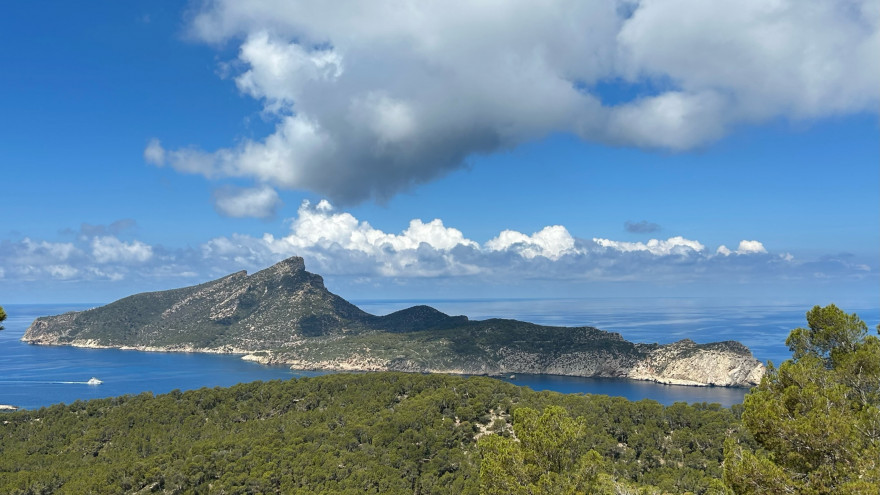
x=36, y=376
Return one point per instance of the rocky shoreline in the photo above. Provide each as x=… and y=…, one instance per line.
x=717, y=368
x=664, y=365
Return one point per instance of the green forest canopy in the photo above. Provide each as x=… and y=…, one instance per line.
x=359, y=433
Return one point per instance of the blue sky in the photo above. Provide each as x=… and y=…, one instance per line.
x=422, y=151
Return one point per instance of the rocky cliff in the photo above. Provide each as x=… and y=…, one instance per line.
x=284, y=314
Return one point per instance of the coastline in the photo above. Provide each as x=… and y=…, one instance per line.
x=642, y=371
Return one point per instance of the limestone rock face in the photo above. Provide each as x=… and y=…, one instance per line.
x=284, y=314
x=687, y=363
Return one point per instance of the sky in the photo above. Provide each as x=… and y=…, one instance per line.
x=437, y=150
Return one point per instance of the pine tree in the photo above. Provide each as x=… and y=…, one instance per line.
x=816, y=417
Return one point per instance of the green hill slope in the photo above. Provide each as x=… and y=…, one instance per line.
x=367, y=433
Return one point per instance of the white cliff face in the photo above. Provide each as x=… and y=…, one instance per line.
x=45, y=331
x=726, y=364
x=595, y=364
x=686, y=363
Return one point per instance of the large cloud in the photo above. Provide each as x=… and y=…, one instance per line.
x=550, y=242
x=340, y=243
x=373, y=98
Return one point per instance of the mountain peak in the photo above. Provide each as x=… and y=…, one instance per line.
x=288, y=274
x=294, y=263
x=291, y=265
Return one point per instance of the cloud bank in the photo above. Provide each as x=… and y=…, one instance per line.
x=370, y=99
x=338, y=245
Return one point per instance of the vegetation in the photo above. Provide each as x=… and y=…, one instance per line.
x=2, y=317
x=812, y=427
x=816, y=418
x=553, y=453
x=474, y=346
x=363, y=433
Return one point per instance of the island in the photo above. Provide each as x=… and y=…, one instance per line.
x=285, y=315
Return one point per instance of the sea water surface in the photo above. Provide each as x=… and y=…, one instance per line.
x=35, y=376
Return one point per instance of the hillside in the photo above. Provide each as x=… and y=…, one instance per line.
x=285, y=314
x=359, y=433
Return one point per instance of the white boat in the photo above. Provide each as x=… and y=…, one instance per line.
x=94, y=381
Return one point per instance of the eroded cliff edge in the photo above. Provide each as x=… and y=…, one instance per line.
x=284, y=314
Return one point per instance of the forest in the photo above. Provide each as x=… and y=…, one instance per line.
x=812, y=426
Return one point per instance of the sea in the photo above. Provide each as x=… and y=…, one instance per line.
x=33, y=376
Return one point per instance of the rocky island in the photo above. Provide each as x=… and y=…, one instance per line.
x=285, y=315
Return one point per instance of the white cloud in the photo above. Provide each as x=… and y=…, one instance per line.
x=322, y=226
x=29, y=259
x=748, y=247
x=94, y=256
x=372, y=99
x=154, y=153
x=257, y=202
x=550, y=242
x=107, y=249
x=62, y=272
x=60, y=251
x=113, y=276
x=673, y=246
x=763, y=59
x=332, y=237
x=336, y=243
x=674, y=120
x=279, y=70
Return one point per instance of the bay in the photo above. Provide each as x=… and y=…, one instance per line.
x=37, y=376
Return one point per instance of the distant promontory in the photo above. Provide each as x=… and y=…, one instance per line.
x=285, y=315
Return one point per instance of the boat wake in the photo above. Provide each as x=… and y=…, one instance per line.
x=92, y=381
